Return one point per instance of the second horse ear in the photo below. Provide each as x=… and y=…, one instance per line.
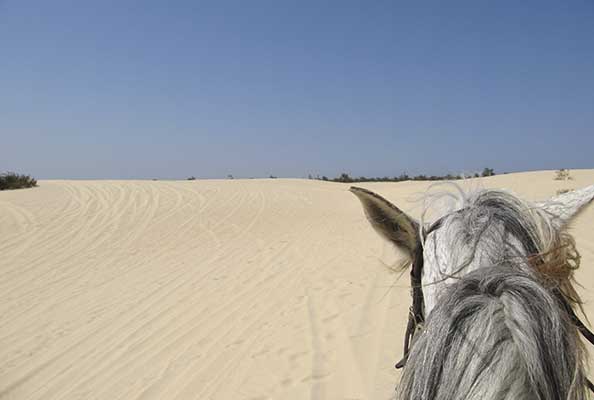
x=389, y=221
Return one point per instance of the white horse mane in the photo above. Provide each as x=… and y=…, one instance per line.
x=497, y=334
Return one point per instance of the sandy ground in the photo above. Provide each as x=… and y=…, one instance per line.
x=245, y=289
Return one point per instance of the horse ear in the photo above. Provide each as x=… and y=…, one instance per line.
x=388, y=220
x=566, y=205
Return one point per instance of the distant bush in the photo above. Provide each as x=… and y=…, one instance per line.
x=346, y=178
x=562, y=175
x=488, y=172
x=191, y=178
x=10, y=180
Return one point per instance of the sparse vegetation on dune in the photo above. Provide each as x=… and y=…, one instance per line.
x=11, y=180
x=346, y=178
x=488, y=172
x=562, y=175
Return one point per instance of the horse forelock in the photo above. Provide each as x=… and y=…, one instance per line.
x=490, y=227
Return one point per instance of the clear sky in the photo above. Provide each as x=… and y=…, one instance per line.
x=169, y=89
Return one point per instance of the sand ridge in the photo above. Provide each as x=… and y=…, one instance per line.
x=217, y=289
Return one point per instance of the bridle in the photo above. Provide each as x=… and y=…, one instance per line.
x=416, y=316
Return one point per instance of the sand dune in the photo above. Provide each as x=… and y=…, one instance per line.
x=245, y=289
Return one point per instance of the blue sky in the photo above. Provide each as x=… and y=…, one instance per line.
x=147, y=89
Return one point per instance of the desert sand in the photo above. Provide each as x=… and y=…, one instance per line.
x=215, y=289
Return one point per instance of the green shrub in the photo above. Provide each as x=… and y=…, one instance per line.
x=562, y=175
x=345, y=178
x=10, y=180
x=488, y=172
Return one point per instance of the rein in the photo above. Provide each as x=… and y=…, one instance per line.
x=586, y=333
x=416, y=315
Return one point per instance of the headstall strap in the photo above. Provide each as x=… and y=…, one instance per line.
x=416, y=315
x=586, y=333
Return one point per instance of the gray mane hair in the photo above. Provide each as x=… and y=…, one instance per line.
x=491, y=227
x=496, y=334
